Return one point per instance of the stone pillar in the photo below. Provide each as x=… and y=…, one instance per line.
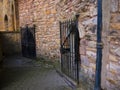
x=105, y=30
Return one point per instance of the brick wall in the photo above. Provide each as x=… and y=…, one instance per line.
x=46, y=15
x=43, y=15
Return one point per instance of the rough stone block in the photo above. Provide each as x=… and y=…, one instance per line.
x=84, y=60
x=114, y=5
x=90, y=21
x=115, y=18
x=92, y=44
x=91, y=54
x=117, y=51
x=115, y=26
x=113, y=58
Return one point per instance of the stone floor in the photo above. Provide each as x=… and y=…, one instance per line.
x=19, y=73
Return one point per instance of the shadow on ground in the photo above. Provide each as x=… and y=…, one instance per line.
x=19, y=73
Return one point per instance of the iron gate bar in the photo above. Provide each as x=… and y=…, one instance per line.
x=77, y=48
x=99, y=47
x=69, y=40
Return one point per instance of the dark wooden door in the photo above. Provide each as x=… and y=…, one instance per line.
x=28, y=42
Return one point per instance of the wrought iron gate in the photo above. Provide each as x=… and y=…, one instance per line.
x=69, y=36
x=28, y=42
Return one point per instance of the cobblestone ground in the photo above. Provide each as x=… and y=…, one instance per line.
x=20, y=73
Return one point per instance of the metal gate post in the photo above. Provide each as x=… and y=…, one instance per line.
x=77, y=47
x=99, y=47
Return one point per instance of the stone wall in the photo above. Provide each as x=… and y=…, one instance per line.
x=87, y=31
x=113, y=66
x=10, y=42
x=9, y=8
x=43, y=15
x=46, y=15
x=1, y=16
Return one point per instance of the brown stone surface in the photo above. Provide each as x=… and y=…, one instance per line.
x=115, y=26
x=43, y=15
x=9, y=9
x=113, y=70
x=46, y=14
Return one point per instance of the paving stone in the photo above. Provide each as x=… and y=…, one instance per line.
x=29, y=77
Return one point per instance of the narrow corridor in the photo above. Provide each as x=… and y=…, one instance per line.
x=20, y=73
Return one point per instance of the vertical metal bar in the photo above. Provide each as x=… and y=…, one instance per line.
x=26, y=41
x=21, y=39
x=72, y=56
x=99, y=47
x=77, y=48
x=64, y=47
x=61, y=44
x=69, y=46
x=34, y=27
x=68, y=58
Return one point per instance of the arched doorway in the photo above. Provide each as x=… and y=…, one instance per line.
x=70, y=57
x=6, y=22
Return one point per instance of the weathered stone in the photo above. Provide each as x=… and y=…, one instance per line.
x=92, y=44
x=84, y=60
x=113, y=33
x=93, y=66
x=115, y=18
x=114, y=5
x=117, y=51
x=113, y=71
x=90, y=21
x=118, y=77
x=91, y=54
x=47, y=14
x=53, y=11
x=82, y=50
x=8, y=16
x=81, y=30
x=93, y=11
x=114, y=68
x=111, y=81
x=113, y=58
x=115, y=26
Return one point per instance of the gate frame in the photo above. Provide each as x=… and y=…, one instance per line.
x=77, y=39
